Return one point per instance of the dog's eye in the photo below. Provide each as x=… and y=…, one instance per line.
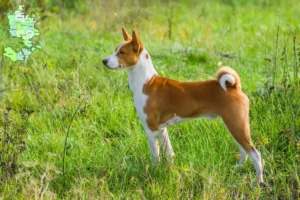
x=122, y=52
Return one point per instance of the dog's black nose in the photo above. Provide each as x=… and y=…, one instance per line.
x=105, y=61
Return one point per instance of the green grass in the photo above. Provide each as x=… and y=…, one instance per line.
x=107, y=155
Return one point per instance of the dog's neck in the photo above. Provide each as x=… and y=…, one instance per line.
x=141, y=73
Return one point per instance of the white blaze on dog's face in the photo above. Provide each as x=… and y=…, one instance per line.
x=127, y=54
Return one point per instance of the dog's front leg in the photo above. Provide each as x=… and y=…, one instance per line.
x=166, y=144
x=153, y=145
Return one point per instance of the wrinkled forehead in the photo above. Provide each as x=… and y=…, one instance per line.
x=121, y=45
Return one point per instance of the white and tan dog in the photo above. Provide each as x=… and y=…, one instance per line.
x=161, y=101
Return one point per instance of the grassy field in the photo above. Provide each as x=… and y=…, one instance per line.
x=64, y=90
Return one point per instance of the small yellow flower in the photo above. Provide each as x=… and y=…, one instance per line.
x=147, y=168
x=133, y=179
x=94, y=25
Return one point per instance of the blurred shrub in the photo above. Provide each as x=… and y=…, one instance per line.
x=5, y=5
x=46, y=5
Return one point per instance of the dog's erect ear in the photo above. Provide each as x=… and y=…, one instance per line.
x=136, y=42
x=126, y=36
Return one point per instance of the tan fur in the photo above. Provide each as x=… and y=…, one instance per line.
x=160, y=100
x=126, y=36
x=168, y=97
x=228, y=70
x=129, y=53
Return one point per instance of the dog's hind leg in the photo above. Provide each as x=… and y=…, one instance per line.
x=237, y=122
x=243, y=155
x=258, y=164
x=166, y=144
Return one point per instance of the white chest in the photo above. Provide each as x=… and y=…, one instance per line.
x=139, y=75
x=140, y=101
x=173, y=120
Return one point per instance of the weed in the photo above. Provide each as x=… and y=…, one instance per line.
x=12, y=143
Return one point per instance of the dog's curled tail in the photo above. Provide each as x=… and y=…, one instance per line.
x=227, y=77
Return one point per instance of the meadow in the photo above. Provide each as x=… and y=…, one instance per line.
x=69, y=129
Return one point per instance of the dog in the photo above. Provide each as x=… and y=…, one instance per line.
x=161, y=101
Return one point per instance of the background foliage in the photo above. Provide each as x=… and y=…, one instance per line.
x=64, y=89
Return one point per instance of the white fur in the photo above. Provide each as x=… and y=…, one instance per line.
x=224, y=78
x=138, y=75
x=209, y=116
x=255, y=158
x=177, y=120
x=166, y=144
x=142, y=72
x=153, y=144
x=243, y=154
x=113, y=61
x=257, y=161
x=173, y=120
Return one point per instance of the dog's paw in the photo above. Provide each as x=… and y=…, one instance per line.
x=238, y=166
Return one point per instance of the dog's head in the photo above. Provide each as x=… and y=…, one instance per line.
x=126, y=54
